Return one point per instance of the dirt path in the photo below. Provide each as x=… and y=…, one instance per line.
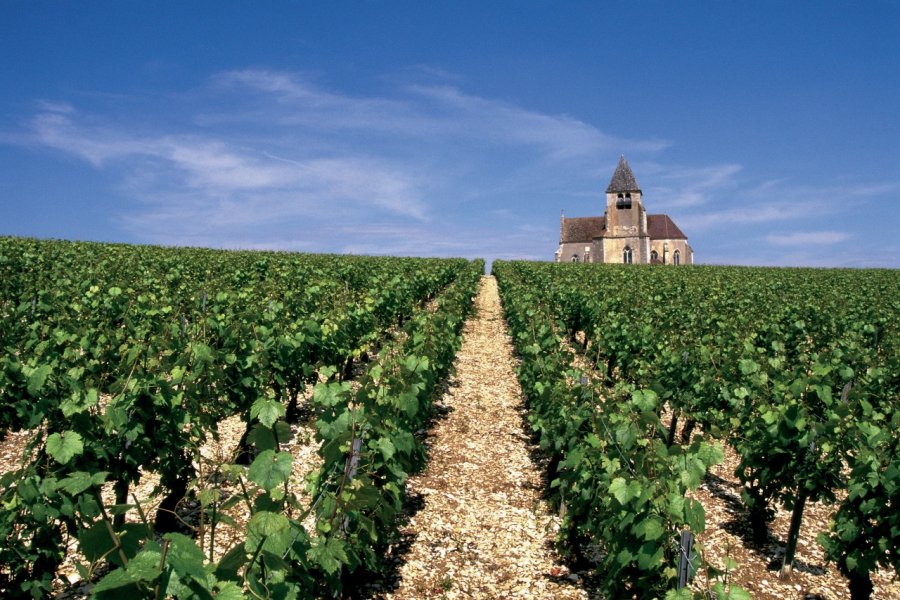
x=484, y=531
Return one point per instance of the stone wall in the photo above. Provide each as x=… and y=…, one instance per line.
x=666, y=251
x=614, y=249
x=578, y=249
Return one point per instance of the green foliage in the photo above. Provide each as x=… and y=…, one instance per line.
x=175, y=340
x=796, y=369
x=64, y=446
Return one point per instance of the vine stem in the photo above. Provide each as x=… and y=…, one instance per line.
x=162, y=563
x=793, y=533
x=142, y=514
x=109, y=528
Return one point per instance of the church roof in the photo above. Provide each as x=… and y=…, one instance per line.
x=623, y=179
x=585, y=229
x=582, y=229
x=661, y=227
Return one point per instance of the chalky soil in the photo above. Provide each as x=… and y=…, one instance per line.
x=484, y=530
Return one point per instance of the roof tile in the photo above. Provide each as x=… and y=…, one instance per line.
x=582, y=229
x=661, y=227
x=623, y=179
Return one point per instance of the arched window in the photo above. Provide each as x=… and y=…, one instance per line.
x=654, y=256
x=574, y=258
x=620, y=201
x=628, y=200
x=626, y=255
x=676, y=258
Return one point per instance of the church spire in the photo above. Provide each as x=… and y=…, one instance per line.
x=623, y=179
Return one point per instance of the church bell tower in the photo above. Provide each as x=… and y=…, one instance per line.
x=626, y=239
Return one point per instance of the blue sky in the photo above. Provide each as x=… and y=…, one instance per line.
x=769, y=131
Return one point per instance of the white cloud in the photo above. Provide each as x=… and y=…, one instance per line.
x=258, y=158
x=745, y=215
x=808, y=238
x=176, y=173
x=261, y=148
x=678, y=186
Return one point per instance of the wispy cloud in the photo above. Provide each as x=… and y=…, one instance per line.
x=679, y=186
x=260, y=158
x=808, y=238
x=201, y=172
x=745, y=215
x=257, y=153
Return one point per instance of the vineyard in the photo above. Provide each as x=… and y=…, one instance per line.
x=796, y=370
x=121, y=361
x=124, y=365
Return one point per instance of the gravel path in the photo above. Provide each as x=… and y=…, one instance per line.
x=484, y=530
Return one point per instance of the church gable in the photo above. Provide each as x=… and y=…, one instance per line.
x=661, y=227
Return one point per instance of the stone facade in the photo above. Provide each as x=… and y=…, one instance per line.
x=625, y=233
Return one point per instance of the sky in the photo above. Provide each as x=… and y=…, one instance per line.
x=768, y=131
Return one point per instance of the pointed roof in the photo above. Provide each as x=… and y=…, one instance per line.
x=623, y=179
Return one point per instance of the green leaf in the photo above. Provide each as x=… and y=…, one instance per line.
x=209, y=496
x=619, y=489
x=96, y=543
x=267, y=410
x=113, y=580
x=270, y=470
x=282, y=432
x=650, y=529
x=694, y=515
x=265, y=523
x=644, y=400
x=748, y=367
x=78, y=403
x=329, y=394
x=329, y=553
x=228, y=591
x=329, y=430
x=63, y=447
x=711, y=454
x=262, y=437
x=76, y=483
x=409, y=403
x=693, y=471
x=144, y=566
x=185, y=557
x=675, y=504
x=386, y=447
x=38, y=378
x=738, y=593
x=650, y=555
x=233, y=560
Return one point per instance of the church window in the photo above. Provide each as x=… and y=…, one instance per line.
x=574, y=258
x=654, y=256
x=627, y=255
x=676, y=258
x=623, y=201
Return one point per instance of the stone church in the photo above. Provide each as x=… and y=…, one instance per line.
x=626, y=233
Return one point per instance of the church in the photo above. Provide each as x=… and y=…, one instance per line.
x=625, y=233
